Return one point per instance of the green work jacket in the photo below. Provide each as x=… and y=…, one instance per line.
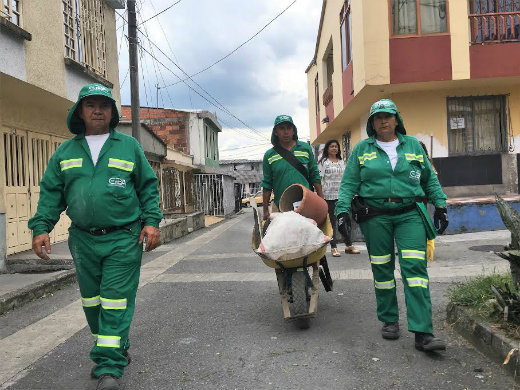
x=279, y=174
x=119, y=189
x=369, y=174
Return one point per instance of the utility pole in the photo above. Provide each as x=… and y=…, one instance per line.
x=134, y=79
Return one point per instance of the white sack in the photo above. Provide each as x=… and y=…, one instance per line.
x=291, y=235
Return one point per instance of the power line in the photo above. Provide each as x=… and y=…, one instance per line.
x=246, y=147
x=236, y=49
x=157, y=14
x=218, y=105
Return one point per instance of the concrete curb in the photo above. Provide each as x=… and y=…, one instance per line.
x=485, y=338
x=36, y=290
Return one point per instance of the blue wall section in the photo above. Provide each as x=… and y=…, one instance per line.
x=475, y=217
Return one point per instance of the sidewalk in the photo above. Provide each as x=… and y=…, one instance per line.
x=17, y=289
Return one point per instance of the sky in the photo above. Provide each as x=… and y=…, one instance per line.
x=260, y=80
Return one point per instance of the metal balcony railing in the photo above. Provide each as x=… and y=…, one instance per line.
x=495, y=27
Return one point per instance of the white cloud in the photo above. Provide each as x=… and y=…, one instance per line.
x=264, y=78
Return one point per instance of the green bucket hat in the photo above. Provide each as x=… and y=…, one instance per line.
x=281, y=119
x=75, y=123
x=384, y=105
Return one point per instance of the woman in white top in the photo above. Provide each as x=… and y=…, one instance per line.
x=331, y=169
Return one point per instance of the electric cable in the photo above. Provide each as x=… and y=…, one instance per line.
x=237, y=48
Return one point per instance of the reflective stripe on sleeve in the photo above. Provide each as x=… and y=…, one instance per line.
x=298, y=153
x=95, y=336
x=121, y=164
x=113, y=304
x=413, y=254
x=274, y=158
x=90, y=302
x=72, y=163
x=380, y=259
x=388, y=285
x=108, y=341
x=417, y=282
x=412, y=157
x=366, y=157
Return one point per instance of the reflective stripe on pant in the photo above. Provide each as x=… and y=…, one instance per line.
x=108, y=269
x=410, y=237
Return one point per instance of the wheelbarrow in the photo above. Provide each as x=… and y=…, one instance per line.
x=298, y=289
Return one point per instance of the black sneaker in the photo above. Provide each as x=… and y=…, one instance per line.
x=107, y=382
x=390, y=330
x=428, y=342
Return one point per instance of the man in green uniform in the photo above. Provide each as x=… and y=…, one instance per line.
x=103, y=180
x=278, y=172
x=393, y=177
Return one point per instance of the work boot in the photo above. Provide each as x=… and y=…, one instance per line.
x=107, y=382
x=390, y=330
x=428, y=342
x=125, y=354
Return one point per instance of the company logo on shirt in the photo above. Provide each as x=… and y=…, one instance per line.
x=415, y=175
x=117, y=182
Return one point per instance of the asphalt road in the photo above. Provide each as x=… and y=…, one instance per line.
x=209, y=317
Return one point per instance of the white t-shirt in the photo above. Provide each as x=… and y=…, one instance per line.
x=391, y=150
x=95, y=143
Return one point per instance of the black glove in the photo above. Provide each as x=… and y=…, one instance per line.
x=344, y=224
x=440, y=219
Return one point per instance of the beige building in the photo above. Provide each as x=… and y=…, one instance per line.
x=451, y=66
x=48, y=51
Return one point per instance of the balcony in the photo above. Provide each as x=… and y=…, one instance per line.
x=495, y=27
x=327, y=95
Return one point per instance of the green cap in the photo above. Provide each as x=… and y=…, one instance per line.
x=75, y=123
x=282, y=119
x=384, y=105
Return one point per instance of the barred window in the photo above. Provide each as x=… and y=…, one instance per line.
x=477, y=124
x=12, y=11
x=84, y=29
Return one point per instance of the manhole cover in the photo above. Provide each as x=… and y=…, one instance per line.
x=487, y=248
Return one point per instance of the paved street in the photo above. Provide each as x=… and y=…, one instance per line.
x=209, y=317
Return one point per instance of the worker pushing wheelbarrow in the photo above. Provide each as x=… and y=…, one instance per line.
x=291, y=242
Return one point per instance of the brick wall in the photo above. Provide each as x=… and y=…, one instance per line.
x=170, y=125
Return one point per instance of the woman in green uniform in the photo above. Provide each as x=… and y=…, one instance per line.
x=390, y=173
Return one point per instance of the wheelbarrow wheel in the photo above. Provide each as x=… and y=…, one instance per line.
x=300, y=297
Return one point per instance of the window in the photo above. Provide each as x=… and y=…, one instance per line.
x=85, y=33
x=11, y=11
x=477, y=125
x=317, y=95
x=419, y=17
x=494, y=20
x=346, y=37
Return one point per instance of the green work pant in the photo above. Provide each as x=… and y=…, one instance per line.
x=408, y=231
x=108, y=269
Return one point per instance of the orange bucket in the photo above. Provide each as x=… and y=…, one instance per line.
x=300, y=199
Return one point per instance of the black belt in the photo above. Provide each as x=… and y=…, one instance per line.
x=106, y=230
x=400, y=200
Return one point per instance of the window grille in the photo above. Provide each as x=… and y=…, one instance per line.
x=85, y=33
x=477, y=125
x=12, y=11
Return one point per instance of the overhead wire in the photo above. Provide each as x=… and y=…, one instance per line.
x=158, y=13
x=216, y=103
x=237, y=48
